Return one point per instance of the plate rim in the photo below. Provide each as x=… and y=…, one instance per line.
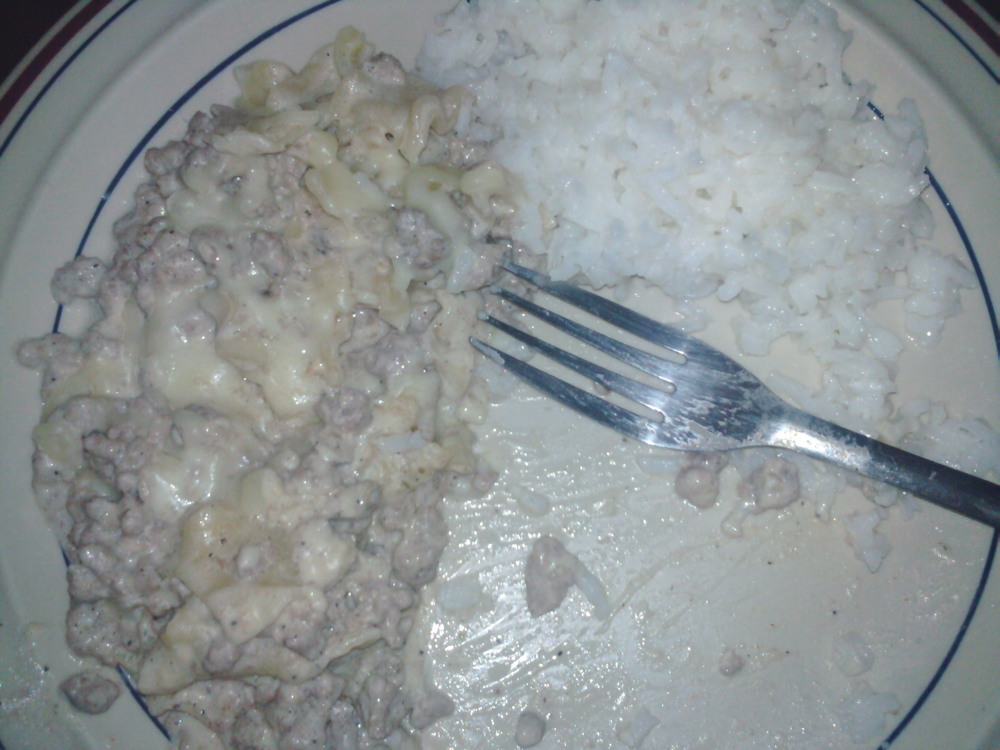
x=50, y=72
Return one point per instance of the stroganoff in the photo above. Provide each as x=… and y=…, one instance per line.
x=244, y=456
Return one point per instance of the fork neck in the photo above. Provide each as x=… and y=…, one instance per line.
x=796, y=430
x=942, y=485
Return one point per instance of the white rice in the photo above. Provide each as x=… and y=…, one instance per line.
x=715, y=149
x=718, y=150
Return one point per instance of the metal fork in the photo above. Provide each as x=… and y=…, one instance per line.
x=712, y=403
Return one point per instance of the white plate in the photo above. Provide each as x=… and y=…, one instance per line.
x=131, y=74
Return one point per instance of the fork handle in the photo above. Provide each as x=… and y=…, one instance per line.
x=942, y=485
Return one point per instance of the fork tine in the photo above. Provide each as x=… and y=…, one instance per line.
x=626, y=319
x=594, y=407
x=671, y=372
x=643, y=394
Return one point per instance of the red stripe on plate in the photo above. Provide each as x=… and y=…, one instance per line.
x=46, y=54
x=975, y=22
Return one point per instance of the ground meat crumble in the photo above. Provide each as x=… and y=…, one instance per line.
x=245, y=455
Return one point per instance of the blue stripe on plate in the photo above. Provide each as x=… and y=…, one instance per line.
x=975, y=55
x=939, y=191
x=134, y=692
